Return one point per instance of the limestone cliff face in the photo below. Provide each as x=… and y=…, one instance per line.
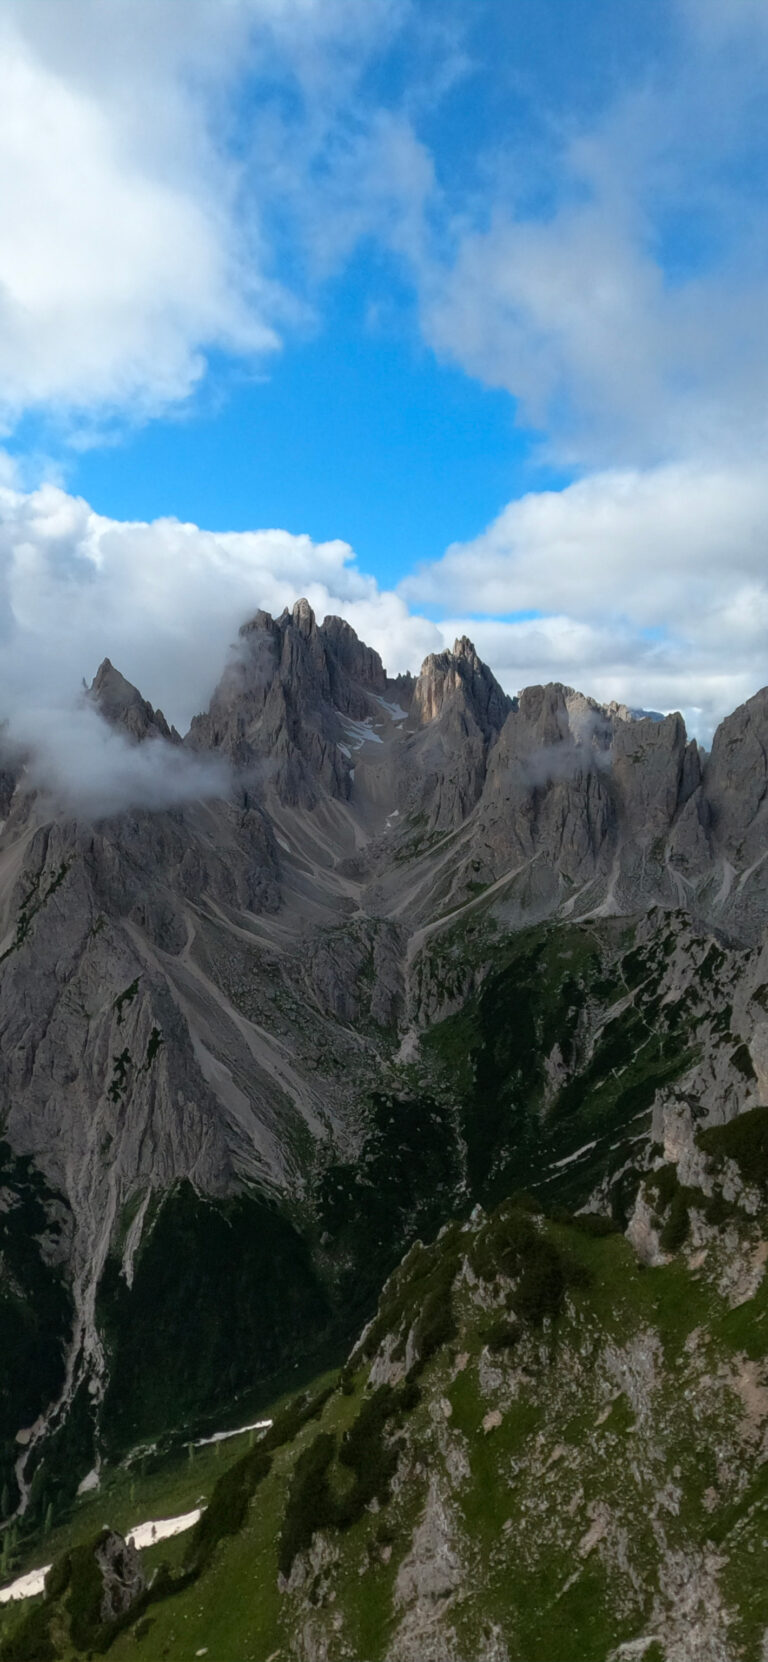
x=736, y=781
x=122, y=705
x=546, y=797
x=457, y=710
x=285, y=700
x=459, y=675
x=209, y=994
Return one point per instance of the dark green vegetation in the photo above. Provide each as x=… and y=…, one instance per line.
x=511, y=1246
x=417, y=1302
x=228, y=1506
x=35, y=1311
x=125, y=997
x=745, y=1142
x=333, y=1485
x=223, y=1291
x=69, y=1620
x=407, y=1177
x=574, y=994
x=598, y=1389
x=34, y=899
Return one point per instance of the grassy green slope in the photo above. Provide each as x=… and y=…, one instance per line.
x=615, y=1493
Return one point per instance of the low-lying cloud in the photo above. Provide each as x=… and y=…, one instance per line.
x=650, y=589
x=82, y=766
x=164, y=602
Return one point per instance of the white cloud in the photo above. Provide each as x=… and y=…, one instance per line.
x=76, y=761
x=627, y=317
x=162, y=600
x=650, y=588
x=653, y=587
x=131, y=239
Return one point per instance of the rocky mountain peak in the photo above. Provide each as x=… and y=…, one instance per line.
x=736, y=776
x=460, y=676
x=285, y=696
x=303, y=618
x=465, y=648
x=122, y=705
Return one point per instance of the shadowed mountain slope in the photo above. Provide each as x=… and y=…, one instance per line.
x=325, y=1013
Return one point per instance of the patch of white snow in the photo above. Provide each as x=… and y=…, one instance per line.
x=161, y=1529
x=26, y=1586
x=89, y=1482
x=585, y=1149
x=222, y=1436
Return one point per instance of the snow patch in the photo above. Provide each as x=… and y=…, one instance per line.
x=396, y=711
x=29, y=1586
x=221, y=1436
x=585, y=1149
x=161, y=1529
x=360, y=732
x=90, y=1481
x=26, y=1586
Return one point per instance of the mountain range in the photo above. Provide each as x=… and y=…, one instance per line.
x=403, y=956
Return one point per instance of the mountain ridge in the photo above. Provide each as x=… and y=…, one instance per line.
x=240, y=1002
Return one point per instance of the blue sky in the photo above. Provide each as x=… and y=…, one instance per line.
x=476, y=289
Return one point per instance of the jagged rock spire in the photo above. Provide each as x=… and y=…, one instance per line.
x=121, y=704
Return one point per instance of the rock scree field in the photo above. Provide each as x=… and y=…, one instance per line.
x=406, y=1105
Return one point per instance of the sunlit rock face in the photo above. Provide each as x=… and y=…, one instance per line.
x=223, y=994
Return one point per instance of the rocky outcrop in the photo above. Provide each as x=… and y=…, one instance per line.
x=122, y=1577
x=207, y=995
x=281, y=708
x=272, y=711
x=122, y=705
x=735, y=784
x=461, y=676
x=458, y=709
x=654, y=772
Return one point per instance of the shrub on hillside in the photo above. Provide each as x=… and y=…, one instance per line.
x=227, y=1508
x=510, y=1244
x=436, y=1323
x=676, y=1224
x=502, y=1334
x=366, y=1453
x=31, y=1641
x=541, y=1289
x=503, y=1244
x=743, y=1140
x=310, y=1505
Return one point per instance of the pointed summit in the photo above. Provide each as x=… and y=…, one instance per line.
x=121, y=704
x=461, y=676
x=303, y=618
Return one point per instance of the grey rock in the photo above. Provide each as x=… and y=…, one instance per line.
x=123, y=1580
x=207, y=993
x=122, y=705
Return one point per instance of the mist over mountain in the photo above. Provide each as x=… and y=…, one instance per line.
x=351, y=958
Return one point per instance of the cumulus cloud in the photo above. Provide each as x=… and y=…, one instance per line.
x=145, y=248
x=627, y=317
x=83, y=766
x=650, y=587
x=164, y=601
